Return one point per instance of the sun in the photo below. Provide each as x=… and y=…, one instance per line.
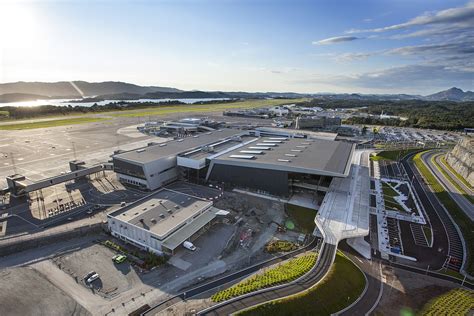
x=19, y=25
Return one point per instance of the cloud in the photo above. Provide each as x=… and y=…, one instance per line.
x=335, y=40
x=348, y=57
x=461, y=16
x=461, y=49
x=412, y=78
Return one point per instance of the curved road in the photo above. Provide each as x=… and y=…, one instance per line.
x=447, y=242
x=460, y=200
x=325, y=260
x=373, y=272
x=223, y=280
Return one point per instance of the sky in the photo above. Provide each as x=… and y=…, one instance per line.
x=363, y=46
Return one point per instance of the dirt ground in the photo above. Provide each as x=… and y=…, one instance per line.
x=24, y=291
x=407, y=292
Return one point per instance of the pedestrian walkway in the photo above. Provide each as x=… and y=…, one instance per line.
x=344, y=212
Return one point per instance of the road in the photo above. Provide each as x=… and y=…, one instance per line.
x=460, y=200
x=373, y=272
x=224, y=280
x=447, y=242
x=325, y=260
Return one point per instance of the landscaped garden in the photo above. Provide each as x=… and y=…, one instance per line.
x=340, y=288
x=280, y=246
x=283, y=273
x=455, y=302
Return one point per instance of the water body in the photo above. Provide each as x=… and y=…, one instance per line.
x=66, y=102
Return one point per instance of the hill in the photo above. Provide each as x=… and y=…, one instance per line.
x=18, y=97
x=76, y=89
x=453, y=94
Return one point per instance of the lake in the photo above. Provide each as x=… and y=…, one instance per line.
x=66, y=102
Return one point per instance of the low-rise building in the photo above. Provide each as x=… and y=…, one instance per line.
x=161, y=222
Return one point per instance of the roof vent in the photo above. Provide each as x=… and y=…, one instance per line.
x=256, y=152
x=242, y=156
x=259, y=148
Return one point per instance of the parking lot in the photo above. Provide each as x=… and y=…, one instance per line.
x=407, y=135
x=113, y=278
x=24, y=291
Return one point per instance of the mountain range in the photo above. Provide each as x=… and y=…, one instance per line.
x=111, y=90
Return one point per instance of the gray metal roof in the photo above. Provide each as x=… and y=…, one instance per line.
x=161, y=212
x=316, y=156
x=172, y=148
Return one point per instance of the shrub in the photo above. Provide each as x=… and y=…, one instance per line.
x=283, y=273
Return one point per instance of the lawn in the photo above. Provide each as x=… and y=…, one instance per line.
x=51, y=123
x=303, y=217
x=455, y=302
x=427, y=231
x=283, y=273
x=393, y=154
x=340, y=288
x=389, y=193
x=463, y=221
x=203, y=108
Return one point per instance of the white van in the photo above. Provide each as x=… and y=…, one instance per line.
x=189, y=245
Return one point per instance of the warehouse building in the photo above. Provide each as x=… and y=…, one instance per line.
x=161, y=222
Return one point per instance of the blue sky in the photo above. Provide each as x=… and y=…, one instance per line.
x=303, y=46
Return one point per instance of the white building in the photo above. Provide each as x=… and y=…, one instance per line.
x=161, y=222
x=279, y=110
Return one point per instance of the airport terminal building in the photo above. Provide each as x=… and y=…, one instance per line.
x=270, y=161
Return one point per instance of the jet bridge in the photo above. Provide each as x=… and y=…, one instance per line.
x=19, y=185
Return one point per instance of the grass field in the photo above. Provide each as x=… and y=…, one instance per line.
x=203, y=108
x=393, y=154
x=51, y=123
x=283, y=273
x=303, y=217
x=464, y=223
x=389, y=193
x=450, y=179
x=342, y=286
x=455, y=302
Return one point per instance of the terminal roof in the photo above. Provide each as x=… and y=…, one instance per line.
x=175, y=147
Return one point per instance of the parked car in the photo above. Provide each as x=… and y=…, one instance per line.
x=92, y=278
x=119, y=258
